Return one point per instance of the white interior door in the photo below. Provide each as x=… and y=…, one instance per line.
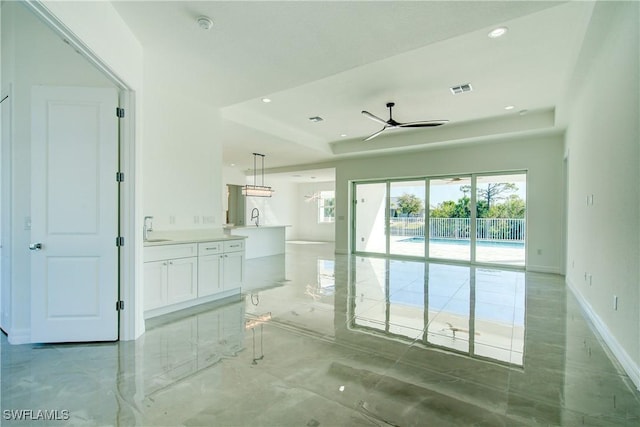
x=74, y=206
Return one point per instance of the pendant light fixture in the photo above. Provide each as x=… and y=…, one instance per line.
x=257, y=190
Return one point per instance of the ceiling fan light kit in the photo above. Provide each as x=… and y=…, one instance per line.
x=392, y=124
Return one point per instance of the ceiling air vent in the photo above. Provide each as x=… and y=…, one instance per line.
x=316, y=119
x=461, y=89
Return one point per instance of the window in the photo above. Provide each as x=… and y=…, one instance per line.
x=326, y=206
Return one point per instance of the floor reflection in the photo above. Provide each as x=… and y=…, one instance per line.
x=471, y=310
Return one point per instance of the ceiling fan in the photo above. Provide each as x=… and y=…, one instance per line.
x=392, y=124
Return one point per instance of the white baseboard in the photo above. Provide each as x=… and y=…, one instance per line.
x=544, y=269
x=19, y=336
x=630, y=367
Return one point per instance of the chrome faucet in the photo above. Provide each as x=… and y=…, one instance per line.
x=255, y=214
x=147, y=227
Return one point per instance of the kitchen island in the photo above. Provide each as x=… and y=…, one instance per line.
x=263, y=240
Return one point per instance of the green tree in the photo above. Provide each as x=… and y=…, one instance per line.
x=451, y=209
x=445, y=209
x=482, y=209
x=512, y=207
x=409, y=204
x=463, y=208
x=494, y=192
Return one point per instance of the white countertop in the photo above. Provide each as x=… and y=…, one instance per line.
x=157, y=238
x=239, y=227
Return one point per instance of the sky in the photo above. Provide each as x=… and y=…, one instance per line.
x=442, y=190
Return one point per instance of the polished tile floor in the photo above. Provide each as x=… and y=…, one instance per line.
x=319, y=339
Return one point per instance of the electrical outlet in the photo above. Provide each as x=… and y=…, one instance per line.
x=172, y=219
x=615, y=303
x=590, y=280
x=196, y=219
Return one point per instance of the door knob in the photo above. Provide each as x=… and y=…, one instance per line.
x=35, y=246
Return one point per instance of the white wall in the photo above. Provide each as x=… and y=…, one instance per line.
x=602, y=143
x=182, y=157
x=104, y=32
x=540, y=156
x=306, y=221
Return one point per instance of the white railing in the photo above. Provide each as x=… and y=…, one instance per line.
x=450, y=228
x=407, y=226
x=493, y=229
x=500, y=229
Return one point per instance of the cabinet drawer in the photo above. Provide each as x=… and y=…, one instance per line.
x=234, y=246
x=209, y=248
x=158, y=253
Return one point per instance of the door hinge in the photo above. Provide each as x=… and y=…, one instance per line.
x=119, y=176
x=119, y=112
x=119, y=305
x=119, y=241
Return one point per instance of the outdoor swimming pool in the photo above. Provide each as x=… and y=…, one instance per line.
x=465, y=242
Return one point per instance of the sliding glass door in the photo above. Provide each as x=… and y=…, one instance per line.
x=470, y=218
x=500, y=218
x=370, y=218
x=407, y=218
x=450, y=218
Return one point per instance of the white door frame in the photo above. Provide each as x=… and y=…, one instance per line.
x=132, y=317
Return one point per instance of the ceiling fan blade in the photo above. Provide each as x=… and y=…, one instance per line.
x=374, y=118
x=426, y=124
x=376, y=134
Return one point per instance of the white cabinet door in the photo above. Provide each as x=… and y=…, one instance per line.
x=233, y=270
x=209, y=268
x=155, y=284
x=182, y=279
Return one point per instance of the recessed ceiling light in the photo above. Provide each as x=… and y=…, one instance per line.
x=266, y=100
x=204, y=22
x=509, y=107
x=497, y=32
x=343, y=135
x=523, y=112
x=232, y=164
x=316, y=119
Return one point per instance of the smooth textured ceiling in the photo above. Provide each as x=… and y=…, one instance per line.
x=334, y=59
